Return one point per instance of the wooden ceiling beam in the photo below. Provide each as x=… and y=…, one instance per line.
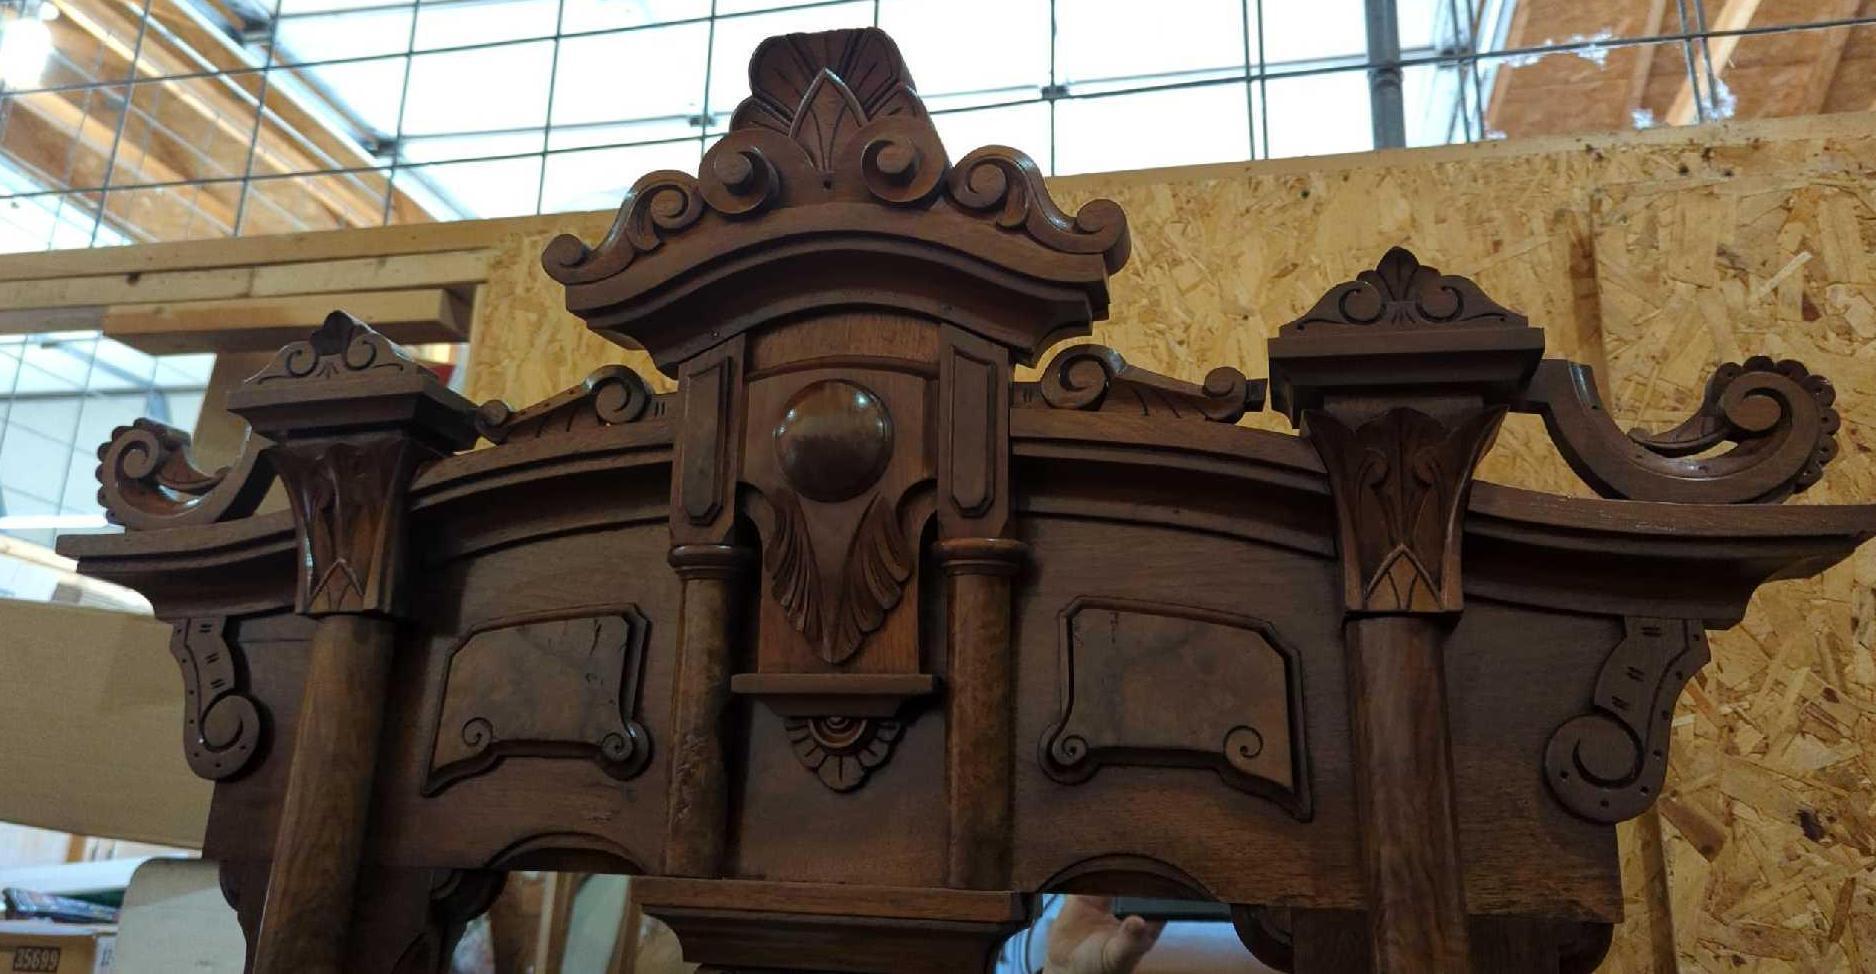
x=1829, y=56
x=1644, y=58
x=1733, y=15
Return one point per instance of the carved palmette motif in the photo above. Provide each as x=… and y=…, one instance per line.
x=843, y=751
x=1608, y=765
x=835, y=614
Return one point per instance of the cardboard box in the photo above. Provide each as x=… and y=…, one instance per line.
x=43, y=947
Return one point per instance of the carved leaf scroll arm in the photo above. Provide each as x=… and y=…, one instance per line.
x=147, y=479
x=1778, y=415
x=609, y=396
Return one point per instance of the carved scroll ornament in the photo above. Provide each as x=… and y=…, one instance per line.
x=610, y=396
x=146, y=480
x=342, y=346
x=221, y=726
x=834, y=116
x=1777, y=415
x=1097, y=378
x=1607, y=765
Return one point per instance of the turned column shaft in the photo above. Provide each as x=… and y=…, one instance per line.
x=1404, y=793
x=698, y=819
x=980, y=720
x=312, y=881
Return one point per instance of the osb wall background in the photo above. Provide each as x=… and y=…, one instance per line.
x=1654, y=257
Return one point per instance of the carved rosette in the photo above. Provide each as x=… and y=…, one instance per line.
x=1608, y=764
x=146, y=480
x=1399, y=482
x=1778, y=416
x=611, y=396
x=843, y=751
x=1097, y=379
x=221, y=725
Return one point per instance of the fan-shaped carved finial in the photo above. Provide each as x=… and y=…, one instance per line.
x=820, y=89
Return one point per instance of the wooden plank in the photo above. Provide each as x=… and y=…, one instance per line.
x=287, y=248
x=447, y=269
x=260, y=324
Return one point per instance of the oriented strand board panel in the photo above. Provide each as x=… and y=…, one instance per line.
x=1770, y=813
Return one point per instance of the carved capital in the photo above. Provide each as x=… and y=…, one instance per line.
x=348, y=499
x=221, y=725
x=1608, y=764
x=711, y=561
x=350, y=417
x=981, y=556
x=1399, y=480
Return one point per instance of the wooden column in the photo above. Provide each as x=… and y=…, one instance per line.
x=698, y=819
x=1399, y=380
x=1404, y=793
x=978, y=760
x=351, y=418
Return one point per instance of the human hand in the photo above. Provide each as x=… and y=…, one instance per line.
x=1087, y=938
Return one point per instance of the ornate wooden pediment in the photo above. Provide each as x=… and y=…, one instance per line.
x=832, y=176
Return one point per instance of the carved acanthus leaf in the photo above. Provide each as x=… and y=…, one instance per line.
x=342, y=345
x=221, y=726
x=1777, y=415
x=1097, y=378
x=836, y=614
x=1608, y=765
x=1400, y=292
x=610, y=396
x=146, y=479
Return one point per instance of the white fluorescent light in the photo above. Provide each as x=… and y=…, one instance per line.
x=39, y=522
